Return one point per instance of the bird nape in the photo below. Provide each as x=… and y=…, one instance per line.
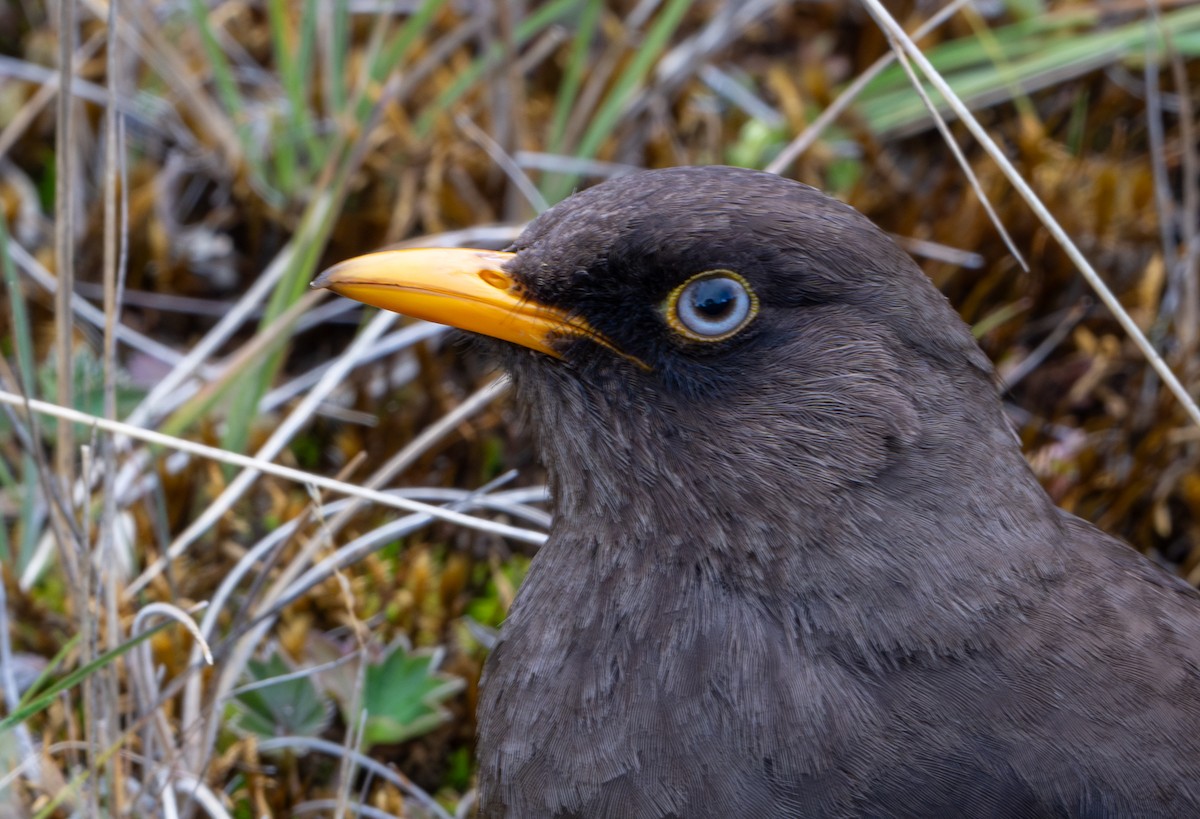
x=798, y=565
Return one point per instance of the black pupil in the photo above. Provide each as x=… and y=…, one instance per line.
x=713, y=298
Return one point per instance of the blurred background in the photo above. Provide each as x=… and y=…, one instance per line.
x=186, y=633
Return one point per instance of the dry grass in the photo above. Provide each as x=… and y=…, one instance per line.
x=258, y=141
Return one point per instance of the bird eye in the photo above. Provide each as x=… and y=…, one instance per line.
x=711, y=306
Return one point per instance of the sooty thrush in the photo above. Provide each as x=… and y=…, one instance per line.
x=798, y=565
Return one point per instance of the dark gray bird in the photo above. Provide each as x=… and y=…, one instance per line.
x=798, y=565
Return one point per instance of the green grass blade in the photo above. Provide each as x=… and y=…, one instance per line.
x=385, y=60
x=293, y=59
x=525, y=30
x=1040, y=57
x=339, y=46
x=572, y=79
x=40, y=702
x=227, y=87
x=255, y=383
x=306, y=58
x=283, y=158
x=48, y=672
x=231, y=97
x=630, y=80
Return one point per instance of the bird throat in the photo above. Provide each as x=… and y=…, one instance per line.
x=803, y=522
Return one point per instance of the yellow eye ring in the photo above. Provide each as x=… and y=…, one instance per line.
x=711, y=306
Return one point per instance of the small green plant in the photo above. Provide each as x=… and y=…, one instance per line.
x=402, y=690
x=288, y=705
x=404, y=695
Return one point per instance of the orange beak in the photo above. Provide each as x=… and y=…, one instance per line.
x=463, y=288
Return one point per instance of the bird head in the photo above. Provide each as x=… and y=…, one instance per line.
x=709, y=331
